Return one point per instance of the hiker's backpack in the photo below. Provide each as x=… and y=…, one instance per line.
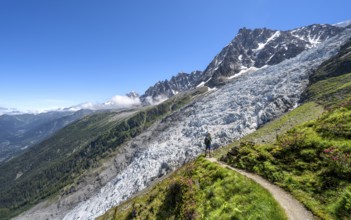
x=207, y=140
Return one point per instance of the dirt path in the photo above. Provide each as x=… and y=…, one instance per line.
x=293, y=208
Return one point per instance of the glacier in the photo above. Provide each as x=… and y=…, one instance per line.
x=228, y=113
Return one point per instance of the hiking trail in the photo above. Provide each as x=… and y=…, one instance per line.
x=293, y=208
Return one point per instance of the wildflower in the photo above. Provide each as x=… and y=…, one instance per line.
x=326, y=151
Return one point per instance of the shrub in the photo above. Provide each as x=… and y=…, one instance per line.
x=292, y=140
x=342, y=208
x=308, y=155
x=180, y=200
x=338, y=161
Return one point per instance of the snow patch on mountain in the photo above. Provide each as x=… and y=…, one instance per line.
x=9, y=111
x=313, y=40
x=244, y=71
x=203, y=83
x=343, y=23
x=262, y=45
x=230, y=112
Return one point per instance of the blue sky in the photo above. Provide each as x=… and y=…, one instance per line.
x=59, y=53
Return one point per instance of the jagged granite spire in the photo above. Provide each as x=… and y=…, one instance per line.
x=260, y=47
x=168, y=88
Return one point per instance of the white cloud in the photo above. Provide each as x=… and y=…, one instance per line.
x=119, y=101
x=3, y=110
x=86, y=105
x=115, y=102
x=156, y=100
x=343, y=23
x=10, y=111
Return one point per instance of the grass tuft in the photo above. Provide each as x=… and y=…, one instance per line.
x=202, y=190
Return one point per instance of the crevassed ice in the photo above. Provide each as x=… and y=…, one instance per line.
x=228, y=113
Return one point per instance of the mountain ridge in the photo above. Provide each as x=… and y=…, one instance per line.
x=261, y=47
x=162, y=90
x=250, y=48
x=19, y=132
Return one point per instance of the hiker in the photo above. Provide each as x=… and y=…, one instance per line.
x=133, y=214
x=208, y=140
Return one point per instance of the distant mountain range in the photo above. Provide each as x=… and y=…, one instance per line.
x=19, y=132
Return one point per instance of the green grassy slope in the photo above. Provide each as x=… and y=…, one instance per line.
x=331, y=91
x=329, y=84
x=269, y=132
x=311, y=160
x=336, y=66
x=201, y=190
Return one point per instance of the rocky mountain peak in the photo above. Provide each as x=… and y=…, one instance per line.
x=256, y=48
x=316, y=33
x=132, y=95
x=250, y=50
x=168, y=88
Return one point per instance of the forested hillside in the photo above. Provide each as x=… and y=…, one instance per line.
x=60, y=160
